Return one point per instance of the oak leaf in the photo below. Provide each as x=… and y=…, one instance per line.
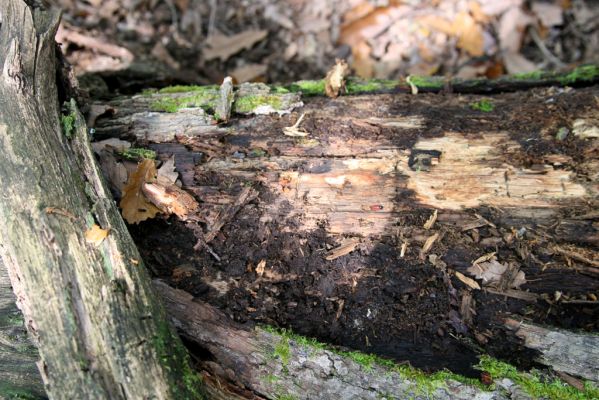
x=135, y=207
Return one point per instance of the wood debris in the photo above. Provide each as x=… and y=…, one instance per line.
x=294, y=130
x=346, y=247
x=260, y=267
x=468, y=281
x=334, y=82
x=428, y=245
x=225, y=101
x=431, y=221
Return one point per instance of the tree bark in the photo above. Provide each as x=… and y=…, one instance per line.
x=89, y=308
x=247, y=361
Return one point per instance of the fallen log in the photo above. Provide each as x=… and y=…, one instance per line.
x=573, y=353
x=255, y=363
x=383, y=195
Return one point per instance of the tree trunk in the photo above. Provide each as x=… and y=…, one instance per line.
x=88, y=305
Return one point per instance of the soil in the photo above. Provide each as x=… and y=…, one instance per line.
x=372, y=299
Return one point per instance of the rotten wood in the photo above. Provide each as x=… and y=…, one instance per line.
x=573, y=353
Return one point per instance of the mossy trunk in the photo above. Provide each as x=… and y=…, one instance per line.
x=89, y=307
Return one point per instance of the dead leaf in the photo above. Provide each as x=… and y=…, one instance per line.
x=469, y=33
x=549, y=14
x=468, y=281
x=260, y=267
x=334, y=82
x=363, y=63
x=95, y=235
x=135, y=207
x=249, y=72
x=496, y=274
x=223, y=47
x=167, y=171
x=111, y=144
x=516, y=63
x=512, y=25
x=346, y=247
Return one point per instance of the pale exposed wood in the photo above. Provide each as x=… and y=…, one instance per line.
x=573, y=353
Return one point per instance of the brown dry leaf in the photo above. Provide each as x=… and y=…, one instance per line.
x=95, y=235
x=346, y=247
x=468, y=281
x=222, y=46
x=512, y=26
x=334, y=82
x=260, y=267
x=135, y=207
x=167, y=172
x=363, y=64
x=469, y=33
x=249, y=72
x=494, y=273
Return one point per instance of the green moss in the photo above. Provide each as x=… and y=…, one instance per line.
x=483, y=105
x=14, y=318
x=197, y=96
x=68, y=118
x=283, y=351
x=355, y=86
x=279, y=89
x=189, y=88
x=149, y=91
x=528, y=76
x=186, y=384
x=308, y=88
x=534, y=384
x=247, y=104
x=286, y=397
x=8, y=391
x=138, y=153
x=428, y=82
x=580, y=74
x=425, y=384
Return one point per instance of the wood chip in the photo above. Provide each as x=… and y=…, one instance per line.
x=428, y=245
x=484, y=258
x=431, y=221
x=294, y=130
x=346, y=247
x=260, y=267
x=404, y=247
x=515, y=294
x=468, y=281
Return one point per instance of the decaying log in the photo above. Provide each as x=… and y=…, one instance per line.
x=510, y=182
x=573, y=353
x=88, y=304
x=246, y=361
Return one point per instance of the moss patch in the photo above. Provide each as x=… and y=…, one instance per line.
x=424, y=384
x=196, y=96
x=184, y=382
x=428, y=82
x=68, y=118
x=581, y=74
x=534, y=384
x=247, y=104
x=137, y=154
x=483, y=105
x=307, y=88
x=355, y=86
